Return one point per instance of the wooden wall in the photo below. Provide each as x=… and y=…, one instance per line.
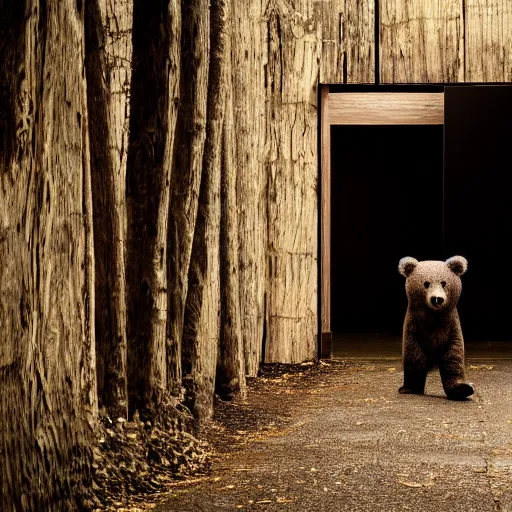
x=294, y=45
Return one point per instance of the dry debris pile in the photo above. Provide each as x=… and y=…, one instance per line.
x=136, y=458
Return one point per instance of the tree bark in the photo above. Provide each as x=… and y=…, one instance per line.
x=292, y=75
x=201, y=331
x=47, y=359
x=249, y=57
x=155, y=82
x=230, y=377
x=189, y=148
x=108, y=65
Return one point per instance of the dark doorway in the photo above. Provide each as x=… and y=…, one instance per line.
x=386, y=203
x=478, y=204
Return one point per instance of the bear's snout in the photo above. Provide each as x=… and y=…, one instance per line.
x=437, y=301
x=436, y=297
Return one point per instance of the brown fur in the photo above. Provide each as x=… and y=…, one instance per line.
x=432, y=335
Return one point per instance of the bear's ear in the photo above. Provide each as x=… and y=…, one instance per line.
x=407, y=265
x=457, y=264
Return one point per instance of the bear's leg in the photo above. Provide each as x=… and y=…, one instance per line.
x=415, y=372
x=451, y=368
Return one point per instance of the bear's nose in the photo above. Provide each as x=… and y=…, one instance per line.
x=437, y=301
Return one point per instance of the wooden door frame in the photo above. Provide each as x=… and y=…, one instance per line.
x=360, y=105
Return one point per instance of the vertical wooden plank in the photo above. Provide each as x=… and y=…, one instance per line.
x=326, y=345
x=294, y=46
x=488, y=40
x=348, y=42
x=421, y=42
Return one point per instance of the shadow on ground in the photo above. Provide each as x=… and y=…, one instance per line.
x=337, y=436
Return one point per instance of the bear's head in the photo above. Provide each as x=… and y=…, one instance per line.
x=435, y=284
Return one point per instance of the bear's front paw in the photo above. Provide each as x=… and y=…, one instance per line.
x=460, y=391
x=410, y=391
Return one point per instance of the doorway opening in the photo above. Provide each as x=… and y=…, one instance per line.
x=386, y=203
x=417, y=171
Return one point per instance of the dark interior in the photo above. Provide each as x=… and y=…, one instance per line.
x=478, y=205
x=387, y=203
x=430, y=192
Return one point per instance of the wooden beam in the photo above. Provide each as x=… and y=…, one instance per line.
x=385, y=108
x=326, y=214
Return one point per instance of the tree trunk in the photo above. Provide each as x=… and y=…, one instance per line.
x=190, y=138
x=201, y=332
x=47, y=359
x=292, y=74
x=230, y=377
x=248, y=50
x=155, y=81
x=108, y=65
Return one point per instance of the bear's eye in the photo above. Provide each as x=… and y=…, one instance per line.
x=427, y=284
x=443, y=283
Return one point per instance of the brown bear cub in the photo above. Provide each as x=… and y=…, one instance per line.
x=432, y=335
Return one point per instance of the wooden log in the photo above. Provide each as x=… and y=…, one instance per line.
x=421, y=42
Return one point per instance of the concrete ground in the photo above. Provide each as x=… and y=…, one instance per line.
x=339, y=437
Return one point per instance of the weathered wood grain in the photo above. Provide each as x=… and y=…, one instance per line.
x=292, y=72
x=385, y=108
x=249, y=58
x=348, y=53
x=421, y=42
x=488, y=41
x=47, y=378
